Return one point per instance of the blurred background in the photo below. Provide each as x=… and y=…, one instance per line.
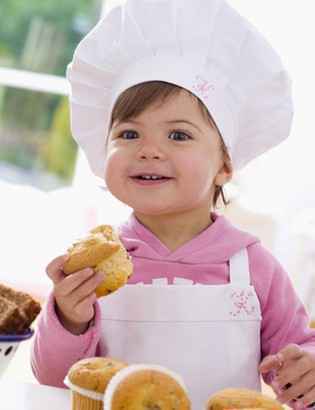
x=48, y=195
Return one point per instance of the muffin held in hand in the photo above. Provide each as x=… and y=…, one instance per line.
x=102, y=251
x=88, y=379
x=144, y=387
x=233, y=399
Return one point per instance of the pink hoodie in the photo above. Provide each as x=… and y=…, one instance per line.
x=204, y=260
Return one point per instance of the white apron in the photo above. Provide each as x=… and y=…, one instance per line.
x=209, y=334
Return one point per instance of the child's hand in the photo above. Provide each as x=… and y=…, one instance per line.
x=74, y=295
x=295, y=375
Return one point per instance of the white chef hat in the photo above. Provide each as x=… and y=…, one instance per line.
x=204, y=46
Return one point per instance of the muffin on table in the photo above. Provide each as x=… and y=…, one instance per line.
x=240, y=398
x=88, y=379
x=146, y=387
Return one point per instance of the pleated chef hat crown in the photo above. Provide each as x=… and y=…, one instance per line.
x=204, y=46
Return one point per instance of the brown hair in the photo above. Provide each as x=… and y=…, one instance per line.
x=133, y=101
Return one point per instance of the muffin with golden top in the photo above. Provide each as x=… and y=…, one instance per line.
x=234, y=399
x=88, y=380
x=146, y=387
x=102, y=251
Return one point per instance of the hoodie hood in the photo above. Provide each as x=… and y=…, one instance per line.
x=214, y=245
x=202, y=260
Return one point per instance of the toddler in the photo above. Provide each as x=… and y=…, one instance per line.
x=168, y=99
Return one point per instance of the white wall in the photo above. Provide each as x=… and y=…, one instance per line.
x=283, y=180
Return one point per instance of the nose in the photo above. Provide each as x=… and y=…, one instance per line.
x=150, y=150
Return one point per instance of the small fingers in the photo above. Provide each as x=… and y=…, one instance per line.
x=85, y=307
x=281, y=359
x=290, y=352
x=86, y=287
x=309, y=399
x=75, y=295
x=272, y=362
x=72, y=282
x=294, y=371
x=301, y=390
x=54, y=268
x=86, y=302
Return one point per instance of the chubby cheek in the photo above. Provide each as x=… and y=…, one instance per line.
x=113, y=171
x=200, y=173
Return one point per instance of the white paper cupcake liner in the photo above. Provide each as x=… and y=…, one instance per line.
x=84, y=392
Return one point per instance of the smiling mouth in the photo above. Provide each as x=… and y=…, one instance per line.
x=150, y=181
x=150, y=178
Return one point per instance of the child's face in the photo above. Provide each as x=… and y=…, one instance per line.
x=160, y=141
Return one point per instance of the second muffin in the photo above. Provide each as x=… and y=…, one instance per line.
x=88, y=379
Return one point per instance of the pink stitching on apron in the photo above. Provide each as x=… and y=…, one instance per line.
x=242, y=303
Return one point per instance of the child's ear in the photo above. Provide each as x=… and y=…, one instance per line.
x=225, y=173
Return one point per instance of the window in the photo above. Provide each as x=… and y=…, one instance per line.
x=40, y=36
x=37, y=40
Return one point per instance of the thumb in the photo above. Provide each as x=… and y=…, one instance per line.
x=54, y=268
x=271, y=362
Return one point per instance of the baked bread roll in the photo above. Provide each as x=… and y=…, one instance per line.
x=88, y=379
x=102, y=251
x=230, y=399
x=143, y=387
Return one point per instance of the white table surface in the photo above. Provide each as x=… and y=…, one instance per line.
x=30, y=396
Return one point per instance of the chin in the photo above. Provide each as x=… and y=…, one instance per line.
x=150, y=211
x=139, y=206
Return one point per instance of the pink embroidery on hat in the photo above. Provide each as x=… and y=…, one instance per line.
x=243, y=303
x=202, y=87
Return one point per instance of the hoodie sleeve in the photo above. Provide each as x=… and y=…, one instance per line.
x=284, y=317
x=54, y=350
